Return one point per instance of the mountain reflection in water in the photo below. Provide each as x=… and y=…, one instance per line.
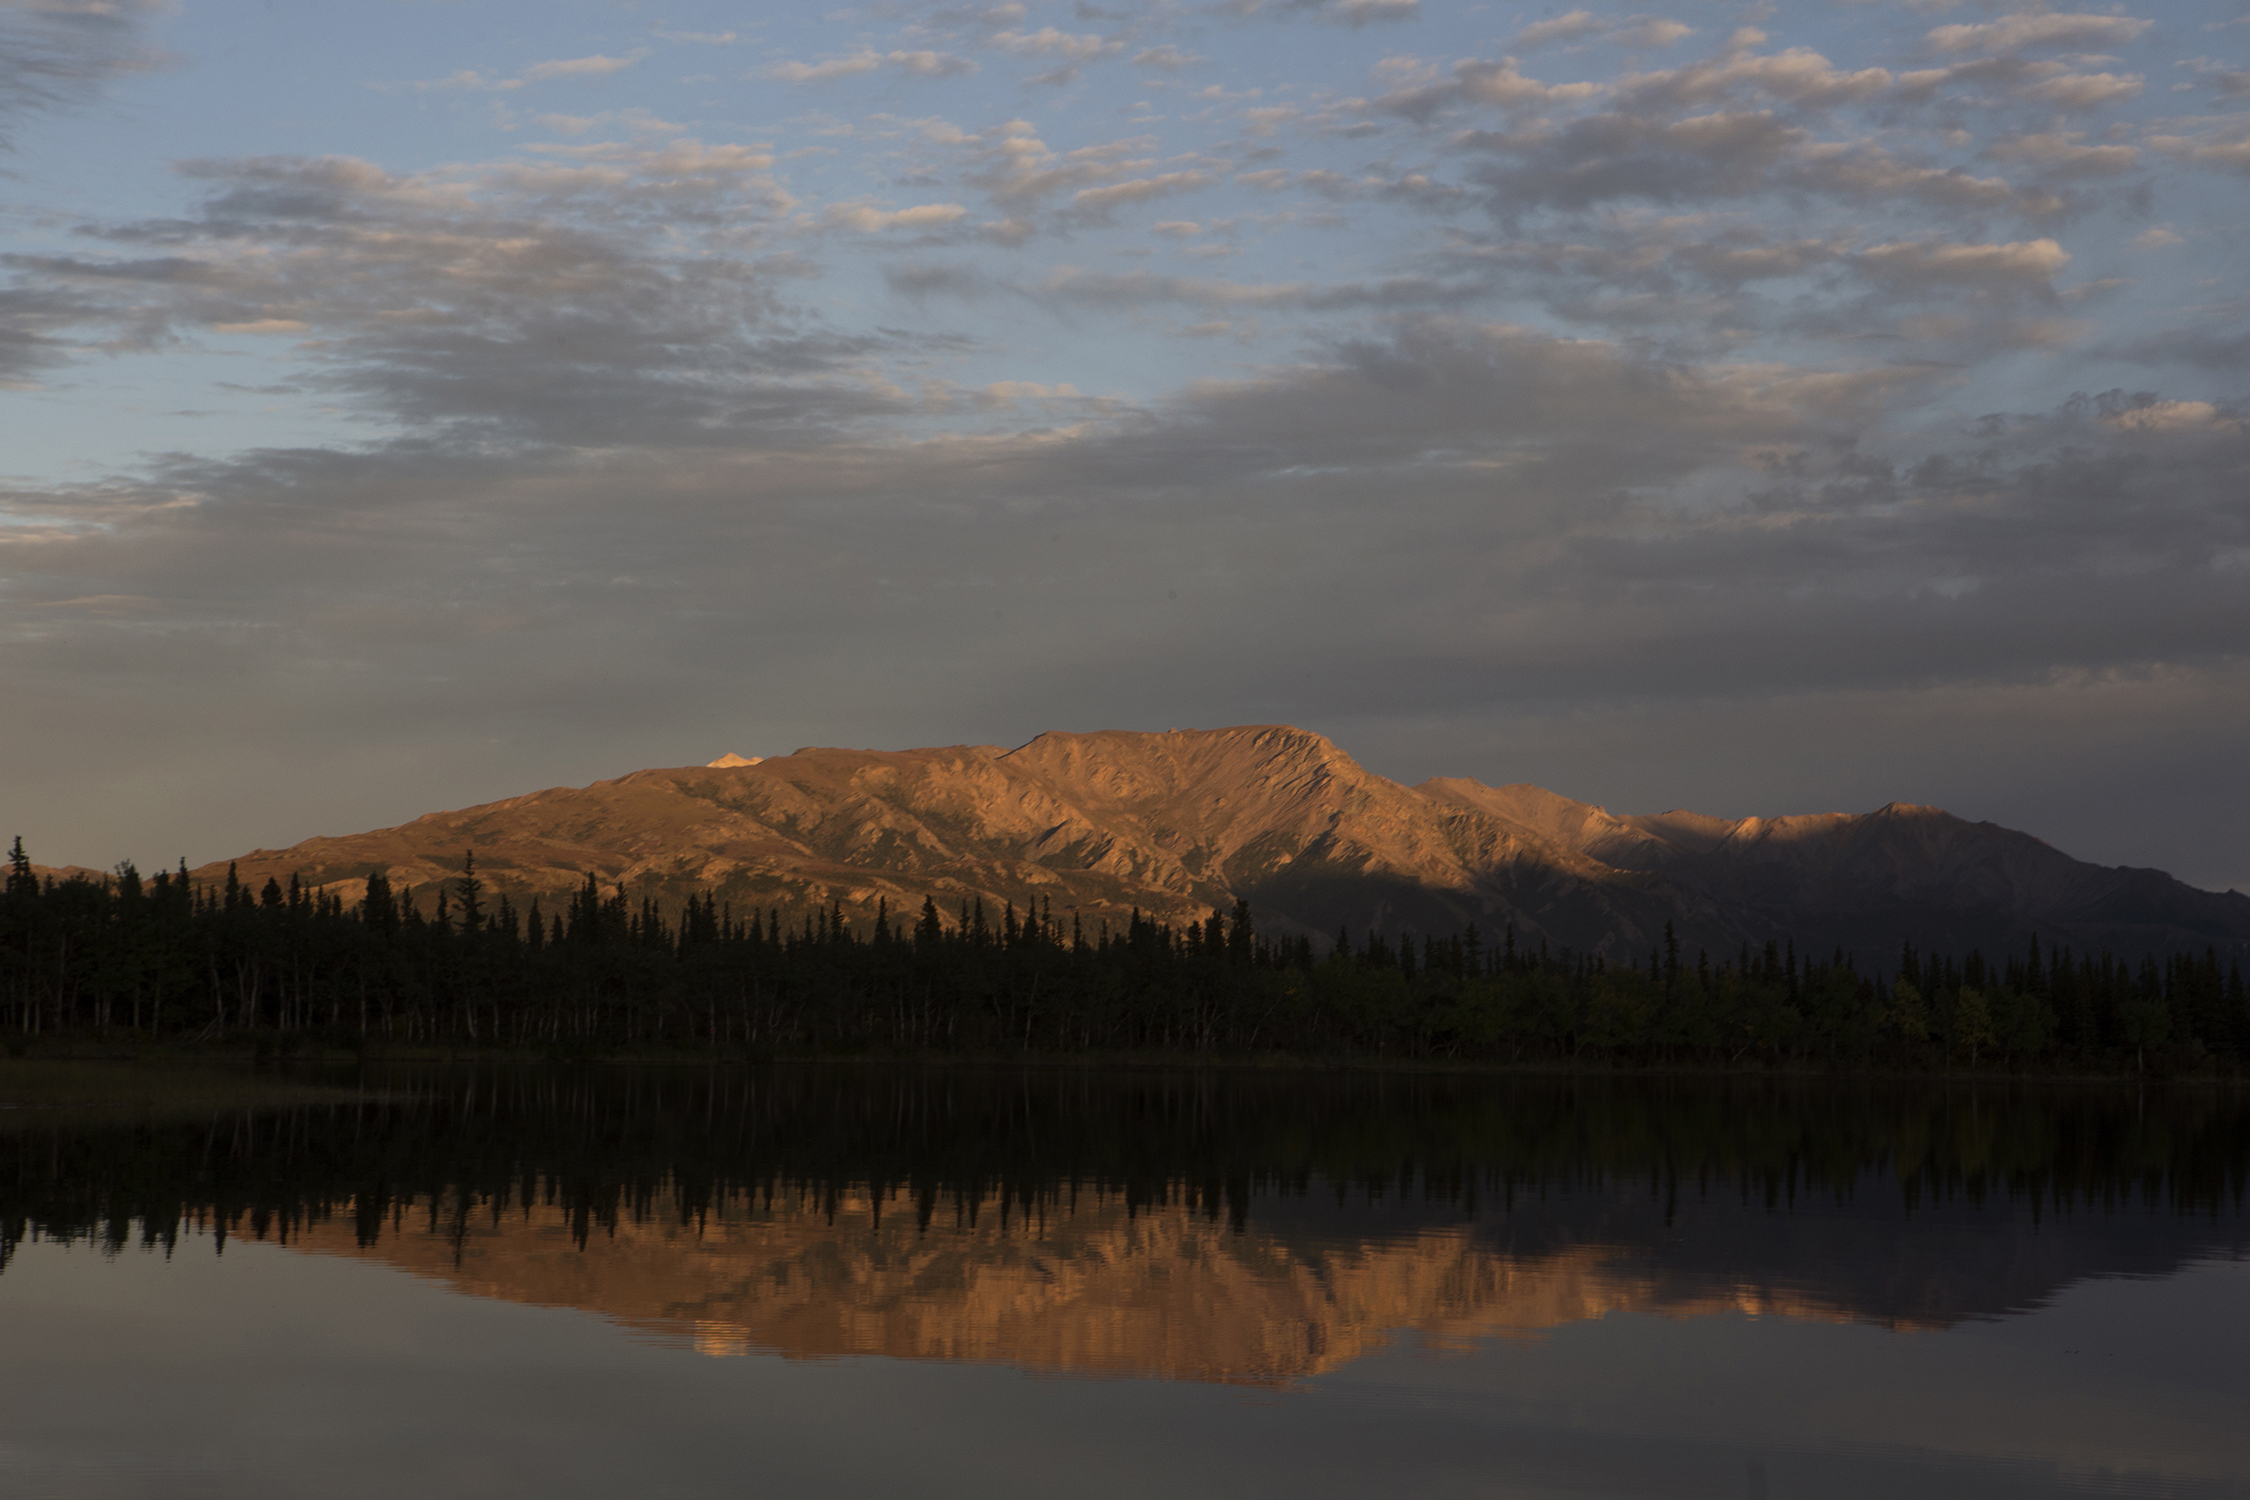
x=1091, y=1287
x=1242, y=1227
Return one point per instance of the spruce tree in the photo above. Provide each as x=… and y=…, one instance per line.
x=472, y=894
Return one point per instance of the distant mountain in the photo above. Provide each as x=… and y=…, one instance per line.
x=1182, y=822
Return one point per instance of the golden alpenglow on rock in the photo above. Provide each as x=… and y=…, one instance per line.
x=1097, y=826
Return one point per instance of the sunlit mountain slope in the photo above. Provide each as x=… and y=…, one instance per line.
x=1178, y=823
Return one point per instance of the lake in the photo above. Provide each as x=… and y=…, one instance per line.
x=870, y=1280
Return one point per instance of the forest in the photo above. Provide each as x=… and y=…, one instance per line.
x=165, y=960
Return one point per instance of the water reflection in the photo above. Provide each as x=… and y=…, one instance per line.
x=1091, y=1287
x=1215, y=1227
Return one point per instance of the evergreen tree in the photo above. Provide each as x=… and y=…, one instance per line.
x=472, y=895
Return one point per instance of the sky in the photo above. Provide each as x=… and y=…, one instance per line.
x=1755, y=409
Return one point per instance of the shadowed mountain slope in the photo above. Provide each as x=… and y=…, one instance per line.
x=1835, y=878
x=1182, y=822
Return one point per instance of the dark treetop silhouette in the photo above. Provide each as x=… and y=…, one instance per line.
x=169, y=958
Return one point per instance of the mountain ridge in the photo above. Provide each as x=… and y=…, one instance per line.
x=1180, y=822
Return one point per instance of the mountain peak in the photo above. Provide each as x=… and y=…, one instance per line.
x=1179, y=762
x=1178, y=822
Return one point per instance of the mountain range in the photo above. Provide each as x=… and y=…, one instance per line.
x=1176, y=824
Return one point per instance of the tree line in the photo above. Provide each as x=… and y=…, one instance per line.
x=168, y=959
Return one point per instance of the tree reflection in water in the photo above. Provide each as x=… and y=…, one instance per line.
x=1212, y=1225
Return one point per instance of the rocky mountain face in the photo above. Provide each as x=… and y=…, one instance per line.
x=1175, y=824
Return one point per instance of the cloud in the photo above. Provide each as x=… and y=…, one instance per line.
x=2019, y=267
x=1017, y=392
x=595, y=66
x=868, y=220
x=920, y=64
x=1582, y=25
x=1142, y=288
x=38, y=328
x=1352, y=13
x=2195, y=346
x=1138, y=190
x=2224, y=146
x=2060, y=153
x=524, y=303
x=2151, y=415
x=1864, y=173
x=1420, y=92
x=1369, y=12
x=464, y=78
x=1167, y=57
x=57, y=58
x=1601, y=523
x=1569, y=27
x=1409, y=189
x=920, y=283
x=1614, y=155
x=2030, y=30
x=2083, y=90
x=1048, y=42
x=1075, y=287
x=263, y=325
x=1737, y=78
x=637, y=120
x=1796, y=76
x=1020, y=172
x=1620, y=155
x=1651, y=31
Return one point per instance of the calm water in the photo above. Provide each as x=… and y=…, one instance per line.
x=866, y=1281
